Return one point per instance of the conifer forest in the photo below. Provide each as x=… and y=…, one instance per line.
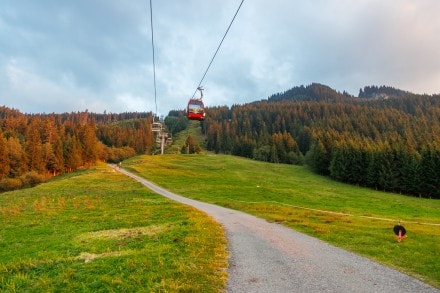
x=385, y=138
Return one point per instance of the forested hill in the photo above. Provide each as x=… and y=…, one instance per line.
x=319, y=92
x=386, y=139
x=382, y=92
x=34, y=147
x=313, y=92
x=390, y=142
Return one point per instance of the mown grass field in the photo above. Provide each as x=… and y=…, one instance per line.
x=354, y=218
x=99, y=231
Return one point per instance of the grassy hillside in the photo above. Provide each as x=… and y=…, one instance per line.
x=193, y=130
x=354, y=218
x=99, y=231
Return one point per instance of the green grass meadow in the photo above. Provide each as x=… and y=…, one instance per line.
x=354, y=218
x=97, y=230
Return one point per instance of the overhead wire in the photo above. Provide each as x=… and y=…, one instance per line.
x=154, y=61
x=218, y=48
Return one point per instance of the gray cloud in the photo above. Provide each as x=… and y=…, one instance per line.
x=71, y=56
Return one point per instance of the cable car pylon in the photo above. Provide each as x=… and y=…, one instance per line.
x=156, y=127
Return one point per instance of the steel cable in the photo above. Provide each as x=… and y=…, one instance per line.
x=218, y=48
x=154, y=61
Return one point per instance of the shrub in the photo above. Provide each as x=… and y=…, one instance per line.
x=116, y=155
x=10, y=184
x=32, y=178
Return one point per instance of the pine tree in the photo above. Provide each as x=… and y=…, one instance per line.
x=430, y=166
x=17, y=158
x=412, y=177
x=190, y=147
x=72, y=153
x=58, y=162
x=89, y=143
x=4, y=159
x=338, y=167
x=317, y=158
x=34, y=148
x=49, y=157
x=387, y=175
x=373, y=168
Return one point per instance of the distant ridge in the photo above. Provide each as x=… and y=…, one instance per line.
x=319, y=92
x=313, y=92
x=382, y=92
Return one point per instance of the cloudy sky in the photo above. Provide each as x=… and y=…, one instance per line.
x=64, y=56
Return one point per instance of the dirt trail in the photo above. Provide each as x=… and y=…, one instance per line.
x=267, y=257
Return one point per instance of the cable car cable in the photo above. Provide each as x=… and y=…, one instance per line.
x=218, y=48
x=154, y=62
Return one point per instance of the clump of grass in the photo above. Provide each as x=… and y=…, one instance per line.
x=98, y=230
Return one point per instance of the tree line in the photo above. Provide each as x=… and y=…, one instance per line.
x=34, y=147
x=389, y=144
x=388, y=139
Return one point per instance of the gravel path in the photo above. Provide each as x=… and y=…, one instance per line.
x=267, y=257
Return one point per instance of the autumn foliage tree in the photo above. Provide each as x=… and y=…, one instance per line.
x=190, y=146
x=35, y=147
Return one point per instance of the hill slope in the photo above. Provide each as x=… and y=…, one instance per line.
x=390, y=144
x=356, y=219
x=97, y=230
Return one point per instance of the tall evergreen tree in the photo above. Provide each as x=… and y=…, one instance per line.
x=412, y=177
x=317, y=158
x=387, y=175
x=35, y=148
x=89, y=143
x=72, y=153
x=4, y=159
x=18, y=159
x=338, y=166
x=430, y=166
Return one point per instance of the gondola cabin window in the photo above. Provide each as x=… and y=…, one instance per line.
x=196, y=110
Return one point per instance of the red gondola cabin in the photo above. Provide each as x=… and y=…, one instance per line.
x=195, y=110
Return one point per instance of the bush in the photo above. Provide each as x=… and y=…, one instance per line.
x=7, y=184
x=295, y=158
x=116, y=155
x=32, y=178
